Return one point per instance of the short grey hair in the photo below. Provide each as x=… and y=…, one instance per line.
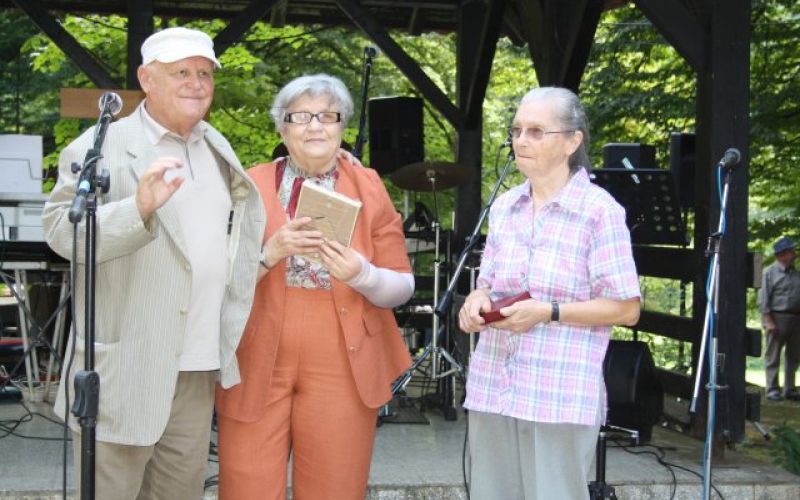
x=570, y=115
x=317, y=85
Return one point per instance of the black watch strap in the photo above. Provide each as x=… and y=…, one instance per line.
x=554, y=313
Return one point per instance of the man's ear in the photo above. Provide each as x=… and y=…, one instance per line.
x=144, y=77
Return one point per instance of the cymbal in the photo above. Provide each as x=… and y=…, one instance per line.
x=430, y=175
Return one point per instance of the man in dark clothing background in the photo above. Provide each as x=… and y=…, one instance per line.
x=779, y=304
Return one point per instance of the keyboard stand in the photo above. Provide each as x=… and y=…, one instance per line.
x=28, y=326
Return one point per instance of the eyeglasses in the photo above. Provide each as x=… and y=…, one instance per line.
x=305, y=117
x=535, y=133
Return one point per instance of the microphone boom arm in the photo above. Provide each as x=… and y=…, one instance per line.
x=447, y=298
x=369, y=53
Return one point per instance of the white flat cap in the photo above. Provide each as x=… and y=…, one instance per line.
x=174, y=44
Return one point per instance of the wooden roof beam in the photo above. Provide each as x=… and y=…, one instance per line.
x=405, y=63
x=485, y=50
x=277, y=17
x=140, y=26
x=512, y=28
x=415, y=22
x=581, y=44
x=560, y=34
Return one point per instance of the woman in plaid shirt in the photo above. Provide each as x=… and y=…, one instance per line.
x=535, y=389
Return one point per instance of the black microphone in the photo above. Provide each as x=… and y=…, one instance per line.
x=732, y=157
x=508, y=140
x=371, y=52
x=110, y=102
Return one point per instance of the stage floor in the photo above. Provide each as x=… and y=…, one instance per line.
x=420, y=461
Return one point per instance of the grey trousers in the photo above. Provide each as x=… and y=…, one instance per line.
x=787, y=335
x=513, y=459
x=175, y=467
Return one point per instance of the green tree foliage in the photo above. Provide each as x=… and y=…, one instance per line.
x=775, y=121
x=28, y=103
x=636, y=89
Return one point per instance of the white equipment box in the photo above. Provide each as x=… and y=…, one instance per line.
x=20, y=163
x=22, y=216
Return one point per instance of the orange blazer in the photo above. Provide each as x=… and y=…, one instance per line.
x=374, y=346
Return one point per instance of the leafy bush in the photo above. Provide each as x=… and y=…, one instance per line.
x=785, y=448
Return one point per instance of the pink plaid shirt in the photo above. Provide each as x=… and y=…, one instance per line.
x=577, y=248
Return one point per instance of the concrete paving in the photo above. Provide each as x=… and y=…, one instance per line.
x=414, y=462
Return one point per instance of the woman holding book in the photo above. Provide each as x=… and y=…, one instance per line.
x=535, y=389
x=321, y=347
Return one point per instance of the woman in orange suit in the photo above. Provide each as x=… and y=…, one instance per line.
x=321, y=347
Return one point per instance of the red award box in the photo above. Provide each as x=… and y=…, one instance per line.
x=494, y=314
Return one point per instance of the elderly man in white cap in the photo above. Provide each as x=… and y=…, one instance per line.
x=178, y=243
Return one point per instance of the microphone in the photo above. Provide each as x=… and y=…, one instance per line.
x=371, y=52
x=110, y=102
x=731, y=157
x=509, y=139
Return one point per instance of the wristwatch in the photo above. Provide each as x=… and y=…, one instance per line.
x=554, y=313
x=262, y=258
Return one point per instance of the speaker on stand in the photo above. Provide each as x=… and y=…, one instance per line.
x=682, y=164
x=635, y=403
x=396, y=135
x=635, y=395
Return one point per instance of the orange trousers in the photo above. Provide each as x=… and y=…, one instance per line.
x=314, y=412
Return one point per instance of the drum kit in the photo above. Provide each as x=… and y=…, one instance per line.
x=424, y=234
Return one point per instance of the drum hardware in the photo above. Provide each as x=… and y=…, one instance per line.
x=422, y=218
x=409, y=177
x=416, y=244
x=428, y=176
x=433, y=349
x=423, y=238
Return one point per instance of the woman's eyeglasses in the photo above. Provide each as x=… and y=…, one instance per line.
x=535, y=133
x=304, y=117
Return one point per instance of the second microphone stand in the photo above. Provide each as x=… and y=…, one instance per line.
x=710, y=335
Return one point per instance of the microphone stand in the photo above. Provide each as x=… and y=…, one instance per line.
x=369, y=54
x=444, y=303
x=87, y=381
x=710, y=335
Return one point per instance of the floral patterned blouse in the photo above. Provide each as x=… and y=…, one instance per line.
x=300, y=271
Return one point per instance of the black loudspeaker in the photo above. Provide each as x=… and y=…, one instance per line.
x=635, y=395
x=395, y=133
x=639, y=155
x=682, y=164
